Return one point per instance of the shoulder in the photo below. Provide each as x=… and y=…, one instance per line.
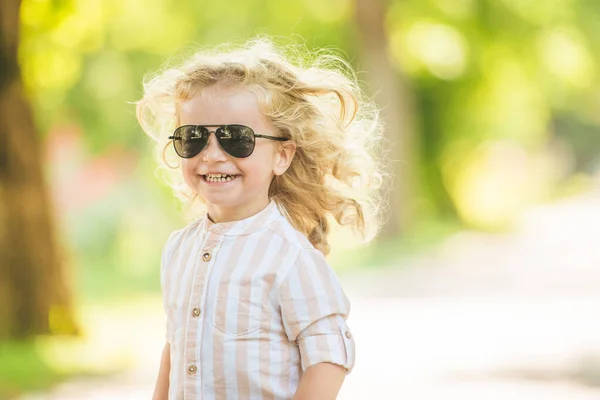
x=302, y=255
x=286, y=231
x=179, y=237
x=305, y=257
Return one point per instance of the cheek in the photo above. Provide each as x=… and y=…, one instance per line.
x=257, y=167
x=187, y=168
x=261, y=179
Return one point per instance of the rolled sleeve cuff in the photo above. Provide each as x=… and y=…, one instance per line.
x=335, y=348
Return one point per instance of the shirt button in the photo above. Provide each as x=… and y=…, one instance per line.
x=348, y=335
x=192, y=369
x=206, y=256
x=196, y=312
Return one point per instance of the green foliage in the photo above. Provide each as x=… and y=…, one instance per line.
x=22, y=368
x=506, y=95
x=496, y=80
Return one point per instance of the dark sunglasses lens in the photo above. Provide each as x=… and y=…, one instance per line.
x=237, y=140
x=189, y=140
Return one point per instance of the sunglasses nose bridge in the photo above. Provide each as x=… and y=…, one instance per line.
x=212, y=150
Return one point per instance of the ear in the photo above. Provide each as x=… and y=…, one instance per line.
x=284, y=154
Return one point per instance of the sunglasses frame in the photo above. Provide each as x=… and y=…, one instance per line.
x=223, y=126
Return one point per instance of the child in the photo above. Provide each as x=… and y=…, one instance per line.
x=272, y=151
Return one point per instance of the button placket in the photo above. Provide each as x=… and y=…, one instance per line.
x=203, y=269
x=196, y=312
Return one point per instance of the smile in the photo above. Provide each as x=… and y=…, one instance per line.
x=219, y=178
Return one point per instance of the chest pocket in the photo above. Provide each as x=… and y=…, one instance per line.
x=237, y=317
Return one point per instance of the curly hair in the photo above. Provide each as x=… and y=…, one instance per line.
x=313, y=98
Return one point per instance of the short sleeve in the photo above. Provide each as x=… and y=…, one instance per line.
x=314, y=311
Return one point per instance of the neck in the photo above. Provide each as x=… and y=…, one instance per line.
x=220, y=214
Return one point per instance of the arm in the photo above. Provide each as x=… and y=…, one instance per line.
x=161, y=390
x=314, y=310
x=321, y=381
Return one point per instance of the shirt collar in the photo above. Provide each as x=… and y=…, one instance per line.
x=245, y=226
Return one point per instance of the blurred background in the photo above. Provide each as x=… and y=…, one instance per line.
x=485, y=282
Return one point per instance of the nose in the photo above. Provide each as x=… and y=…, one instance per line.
x=212, y=152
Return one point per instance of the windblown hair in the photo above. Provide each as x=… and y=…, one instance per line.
x=311, y=98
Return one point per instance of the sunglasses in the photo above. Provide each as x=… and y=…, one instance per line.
x=236, y=140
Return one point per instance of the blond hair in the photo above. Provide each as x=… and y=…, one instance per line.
x=316, y=102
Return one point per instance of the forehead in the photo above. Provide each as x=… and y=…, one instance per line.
x=218, y=104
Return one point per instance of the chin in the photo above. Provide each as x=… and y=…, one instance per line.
x=221, y=201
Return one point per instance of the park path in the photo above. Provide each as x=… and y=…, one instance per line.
x=481, y=316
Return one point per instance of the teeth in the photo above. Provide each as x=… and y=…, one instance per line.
x=219, y=178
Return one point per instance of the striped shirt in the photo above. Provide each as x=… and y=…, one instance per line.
x=250, y=305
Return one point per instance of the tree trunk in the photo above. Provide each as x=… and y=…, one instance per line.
x=398, y=114
x=33, y=294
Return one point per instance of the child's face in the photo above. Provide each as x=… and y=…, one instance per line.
x=247, y=193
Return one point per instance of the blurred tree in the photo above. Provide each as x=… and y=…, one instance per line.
x=33, y=295
x=394, y=96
